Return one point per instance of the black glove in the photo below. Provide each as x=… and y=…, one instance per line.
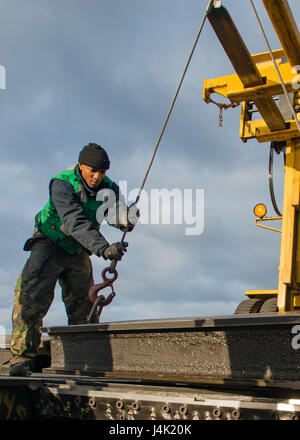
x=115, y=251
x=127, y=228
x=133, y=215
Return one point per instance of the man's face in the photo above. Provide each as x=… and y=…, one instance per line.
x=92, y=176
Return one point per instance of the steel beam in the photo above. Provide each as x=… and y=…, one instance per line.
x=200, y=350
x=244, y=65
x=285, y=27
x=235, y=47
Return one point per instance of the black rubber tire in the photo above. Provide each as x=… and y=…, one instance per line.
x=269, y=306
x=252, y=305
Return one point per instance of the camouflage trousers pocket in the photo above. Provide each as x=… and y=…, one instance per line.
x=41, y=251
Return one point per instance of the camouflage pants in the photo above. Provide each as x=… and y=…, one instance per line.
x=34, y=293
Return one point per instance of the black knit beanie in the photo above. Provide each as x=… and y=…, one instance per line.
x=94, y=156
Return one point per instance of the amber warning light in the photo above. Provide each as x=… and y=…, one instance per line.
x=260, y=210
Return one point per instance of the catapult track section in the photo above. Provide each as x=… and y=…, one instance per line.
x=223, y=367
x=250, y=347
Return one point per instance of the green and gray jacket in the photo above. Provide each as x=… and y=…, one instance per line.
x=69, y=217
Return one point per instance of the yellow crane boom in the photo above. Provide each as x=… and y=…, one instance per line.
x=255, y=84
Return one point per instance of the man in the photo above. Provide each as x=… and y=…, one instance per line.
x=66, y=233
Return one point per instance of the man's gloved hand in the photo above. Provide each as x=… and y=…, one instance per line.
x=128, y=228
x=131, y=219
x=115, y=251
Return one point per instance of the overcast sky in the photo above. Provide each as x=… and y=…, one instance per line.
x=105, y=71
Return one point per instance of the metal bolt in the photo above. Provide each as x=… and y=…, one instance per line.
x=236, y=414
x=166, y=408
x=136, y=406
x=120, y=404
x=77, y=400
x=183, y=410
x=92, y=403
x=217, y=412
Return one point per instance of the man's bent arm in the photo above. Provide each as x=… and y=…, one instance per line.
x=75, y=221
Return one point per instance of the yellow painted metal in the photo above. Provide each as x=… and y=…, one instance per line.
x=267, y=219
x=297, y=99
x=261, y=293
x=272, y=86
x=231, y=88
x=296, y=303
x=265, y=56
x=286, y=28
x=258, y=130
x=289, y=267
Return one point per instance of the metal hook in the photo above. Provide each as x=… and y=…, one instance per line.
x=100, y=301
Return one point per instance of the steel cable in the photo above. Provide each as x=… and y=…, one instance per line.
x=207, y=11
